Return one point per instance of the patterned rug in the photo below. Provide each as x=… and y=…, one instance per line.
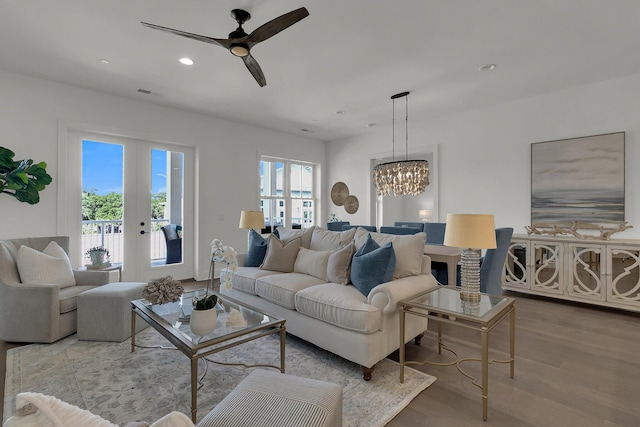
x=120, y=386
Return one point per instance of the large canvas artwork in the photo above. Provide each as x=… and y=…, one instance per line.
x=578, y=179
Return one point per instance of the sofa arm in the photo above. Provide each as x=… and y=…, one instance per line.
x=95, y=277
x=386, y=296
x=29, y=312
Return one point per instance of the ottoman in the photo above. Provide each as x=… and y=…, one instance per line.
x=104, y=312
x=268, y=398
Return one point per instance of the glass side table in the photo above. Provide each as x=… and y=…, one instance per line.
x=444, y=305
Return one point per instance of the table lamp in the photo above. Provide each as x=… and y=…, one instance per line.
x=251, y=220
x=471, y=233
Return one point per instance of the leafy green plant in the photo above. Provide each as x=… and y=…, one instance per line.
x=23, y=179
x=205, y=303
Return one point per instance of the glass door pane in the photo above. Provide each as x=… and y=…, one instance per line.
x=102, y=189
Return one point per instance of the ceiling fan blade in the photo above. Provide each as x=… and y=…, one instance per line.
x=276, y=25
x=254, y=68
x=225, y=43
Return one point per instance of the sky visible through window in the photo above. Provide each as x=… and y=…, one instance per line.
x=102, y=168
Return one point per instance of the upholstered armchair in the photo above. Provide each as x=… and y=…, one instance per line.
x=174, y=243
x=493, y=263
x=400, y=230
x=44, y=312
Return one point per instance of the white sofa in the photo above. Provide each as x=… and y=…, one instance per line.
x=335, y=316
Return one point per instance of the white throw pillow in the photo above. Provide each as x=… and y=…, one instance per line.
x=313, y=263
x=408, y=250
x=51, y=266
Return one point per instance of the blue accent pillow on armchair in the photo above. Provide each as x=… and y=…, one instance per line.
x=257, y=250
x=372, y=265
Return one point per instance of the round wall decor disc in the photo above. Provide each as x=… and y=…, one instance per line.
x=339, y=193
x=351, y=204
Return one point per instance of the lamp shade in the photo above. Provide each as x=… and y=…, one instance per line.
x=424, y=214
x=472, y=231
x=251, y=219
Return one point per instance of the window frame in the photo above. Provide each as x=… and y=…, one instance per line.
x=275, y=199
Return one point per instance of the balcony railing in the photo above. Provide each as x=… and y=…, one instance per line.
x=110, y=235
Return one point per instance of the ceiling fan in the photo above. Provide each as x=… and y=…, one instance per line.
x=239, y=42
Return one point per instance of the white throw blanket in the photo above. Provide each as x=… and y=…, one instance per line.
x=39, y=410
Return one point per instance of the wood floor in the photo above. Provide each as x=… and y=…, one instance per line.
x=575, y=366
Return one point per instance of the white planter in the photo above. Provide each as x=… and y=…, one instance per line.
x=203, y=322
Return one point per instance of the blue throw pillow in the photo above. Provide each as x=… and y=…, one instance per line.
x=257, y=250
x=372, y=265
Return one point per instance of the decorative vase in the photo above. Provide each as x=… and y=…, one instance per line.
x=97, y=258
x=203, y=322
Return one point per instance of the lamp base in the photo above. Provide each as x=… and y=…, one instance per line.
x=470, y=275
x=469, y=296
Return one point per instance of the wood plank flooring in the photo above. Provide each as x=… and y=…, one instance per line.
x=576, y=365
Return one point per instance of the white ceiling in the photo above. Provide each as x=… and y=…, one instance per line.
x=349, y=55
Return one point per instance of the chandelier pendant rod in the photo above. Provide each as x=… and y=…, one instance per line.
x=406, y=126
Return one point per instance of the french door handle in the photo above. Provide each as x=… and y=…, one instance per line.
x=142, y=231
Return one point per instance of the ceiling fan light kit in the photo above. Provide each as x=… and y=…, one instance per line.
x=402, y=177
x=239, y=42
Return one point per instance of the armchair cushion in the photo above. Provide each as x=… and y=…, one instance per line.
x=51, y=266
x=8, y=268
x=326, y=240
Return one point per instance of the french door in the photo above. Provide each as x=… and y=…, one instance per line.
x=125, y=192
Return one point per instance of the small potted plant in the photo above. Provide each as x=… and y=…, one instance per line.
x=204, y=315
x=98, y=255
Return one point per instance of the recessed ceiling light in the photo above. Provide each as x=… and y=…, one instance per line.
x=488, y=67
x=370, y=125
x=340, y=112
x=186, y=61
x=306, y=130
x=104, y=61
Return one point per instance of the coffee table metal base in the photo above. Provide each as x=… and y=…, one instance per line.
x=196, y=354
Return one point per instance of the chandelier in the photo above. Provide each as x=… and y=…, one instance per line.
x=402, y=177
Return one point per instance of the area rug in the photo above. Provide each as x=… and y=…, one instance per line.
x=110, y=381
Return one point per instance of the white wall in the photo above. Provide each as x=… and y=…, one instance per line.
x=484, y=154
x=31, y=111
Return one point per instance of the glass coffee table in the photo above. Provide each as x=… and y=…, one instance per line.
x=171, y=320
x=444, y=305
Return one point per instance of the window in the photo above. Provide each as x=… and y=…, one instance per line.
x=287, y=192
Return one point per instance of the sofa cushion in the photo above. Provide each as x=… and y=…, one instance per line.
x=408, y=249
x=257, y=250
x=69, y=297
x=286, y=234
x=313, y=263
x=339, y=305
x=244, y=278
x=281, y=289
x=339, y=264
x=51, y=266
x=326, y=240
x=281, y=255
x=372, y=265
x=8, y=268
